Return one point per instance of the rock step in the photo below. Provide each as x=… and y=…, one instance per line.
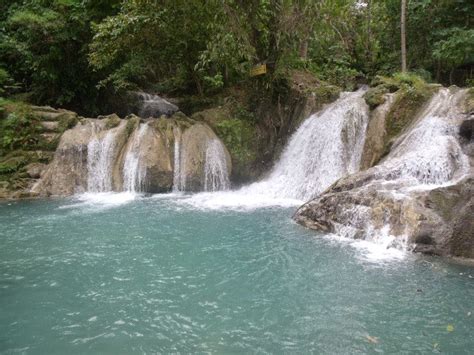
x=47, y=113
x=49, y=137
x=50, y=126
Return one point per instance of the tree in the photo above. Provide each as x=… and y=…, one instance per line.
x=403, y=35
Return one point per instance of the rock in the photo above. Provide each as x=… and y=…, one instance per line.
x=466, y=130
x=375, y=138
x=153, y=150
x=51, y=126
x=195, y=142
x=67, y=173
x=34, y=170
x=154, y=106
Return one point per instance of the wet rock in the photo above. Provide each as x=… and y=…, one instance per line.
x=34, y=170
x=154, y=106
x=195, y=141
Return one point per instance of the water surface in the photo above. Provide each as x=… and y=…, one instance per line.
x=159, y=274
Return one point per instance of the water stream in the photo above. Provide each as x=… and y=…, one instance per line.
x=134, y=172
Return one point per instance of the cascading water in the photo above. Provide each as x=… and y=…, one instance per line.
x=389, y=204
x=154, y=106
x=216, y=176
x=100, y=160
x=133, y=172
x=326, y=147
x=429, y=153
x=177, y=160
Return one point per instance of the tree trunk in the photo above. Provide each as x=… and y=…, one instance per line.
x=303, y=50
x=369, y=32
x=403, y=35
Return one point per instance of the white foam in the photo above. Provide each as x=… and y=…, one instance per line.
x=101, y=200
x=376, y=250
x=236, y=200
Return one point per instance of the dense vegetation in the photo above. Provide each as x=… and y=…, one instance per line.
x=81, y=54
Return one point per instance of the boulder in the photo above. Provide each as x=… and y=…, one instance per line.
x=67, y=174
x=150, y=105
x=195, y=141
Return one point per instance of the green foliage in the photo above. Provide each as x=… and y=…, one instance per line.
x=84, y=54
x=19, y=129
x=238, y=136
x=4, y=79
x=456, y=46
x=44, y=46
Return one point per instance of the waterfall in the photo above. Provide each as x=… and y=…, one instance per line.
x=216, y=176
x=154, y=106
x=429, y=153
x=133, y=172
x=100, y=160
x=177, y=160
x=391, y=204
x=326, y=147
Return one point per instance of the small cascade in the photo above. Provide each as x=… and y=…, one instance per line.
x=216, y=176
x=177, y=179
x=100, y=160
x=133, y=172
x=429, y=153
x=326, y=147
x=154, y=106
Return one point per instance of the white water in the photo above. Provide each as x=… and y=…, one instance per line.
x=177, y=160
x=326, y=147
x=133, y=172
x=429, y=155
x=425, y=157
x=216, y=176
x=100, y=160
x=155, y=106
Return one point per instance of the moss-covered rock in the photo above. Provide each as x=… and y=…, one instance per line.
x=132, y=123
x=470, y=100
x=111, y=121
x=239, y=138
x=67, y=120
x=375, y=96
x=408, y=101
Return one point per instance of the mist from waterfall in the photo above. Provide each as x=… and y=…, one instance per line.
x=133, y=172
x=100, y=161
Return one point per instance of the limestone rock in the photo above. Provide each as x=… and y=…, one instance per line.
x=195, y=142
x=34, y=170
